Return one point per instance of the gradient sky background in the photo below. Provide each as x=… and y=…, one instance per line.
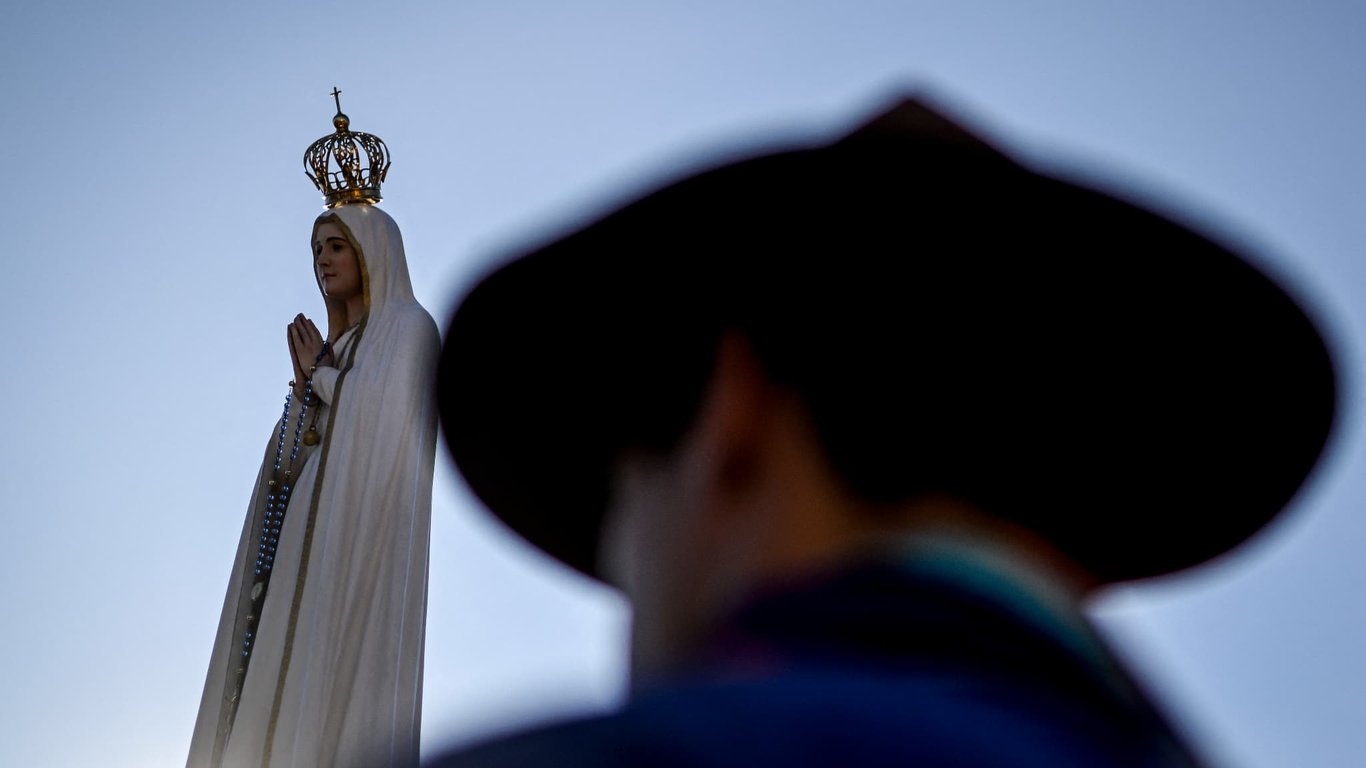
x=154, y=241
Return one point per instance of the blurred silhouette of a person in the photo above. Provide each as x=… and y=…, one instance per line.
x=858, y=428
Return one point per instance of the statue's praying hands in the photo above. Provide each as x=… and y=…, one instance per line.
x=307, y=350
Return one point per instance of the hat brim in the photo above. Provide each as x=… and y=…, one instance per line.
x=1131, y=390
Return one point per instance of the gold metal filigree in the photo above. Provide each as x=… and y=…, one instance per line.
x=347, y=166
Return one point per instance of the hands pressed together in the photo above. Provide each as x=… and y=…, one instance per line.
x=306, y=350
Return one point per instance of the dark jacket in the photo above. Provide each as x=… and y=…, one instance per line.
x=879, y=665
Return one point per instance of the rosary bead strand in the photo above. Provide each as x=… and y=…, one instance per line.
x=277, y=501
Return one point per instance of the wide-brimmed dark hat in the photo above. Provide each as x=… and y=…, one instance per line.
x=956, y=323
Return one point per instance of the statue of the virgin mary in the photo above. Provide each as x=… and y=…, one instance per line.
x=318, y=655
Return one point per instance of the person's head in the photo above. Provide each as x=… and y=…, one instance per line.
x=339, y=267
x=746, y=498
x=780, y=356
x=336, y=263
x=375, y=241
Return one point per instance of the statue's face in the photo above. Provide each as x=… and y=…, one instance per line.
x=336, y=263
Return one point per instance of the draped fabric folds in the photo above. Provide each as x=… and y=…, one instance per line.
x=334, y=673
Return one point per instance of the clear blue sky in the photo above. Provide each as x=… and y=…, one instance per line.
x=154, y=239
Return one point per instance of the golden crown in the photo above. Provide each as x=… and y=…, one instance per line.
x=347, y=166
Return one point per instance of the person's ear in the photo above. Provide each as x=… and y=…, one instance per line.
x=734, y=419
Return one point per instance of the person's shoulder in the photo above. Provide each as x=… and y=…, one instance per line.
x=823, y=718
x=411, y=312
x=414, y=321
x=587, y=742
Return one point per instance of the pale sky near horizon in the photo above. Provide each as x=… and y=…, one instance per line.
x=155, y=239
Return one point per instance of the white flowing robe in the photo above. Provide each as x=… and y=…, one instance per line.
x=335, y=671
